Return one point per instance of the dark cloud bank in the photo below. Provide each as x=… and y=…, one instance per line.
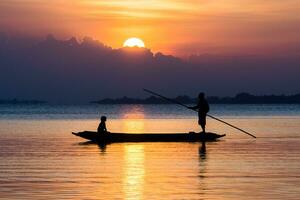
x=68, y=71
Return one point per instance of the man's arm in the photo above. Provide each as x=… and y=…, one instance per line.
x=194, y=107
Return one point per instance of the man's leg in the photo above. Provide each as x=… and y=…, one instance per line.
x=202, y=122
x=203, y=128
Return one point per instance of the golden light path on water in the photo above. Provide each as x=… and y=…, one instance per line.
x=134, y=156
x=133, y=180
x=133, y=121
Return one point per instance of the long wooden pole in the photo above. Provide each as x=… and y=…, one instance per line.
x=177, y=102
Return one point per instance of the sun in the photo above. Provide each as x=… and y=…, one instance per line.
x=134, y=42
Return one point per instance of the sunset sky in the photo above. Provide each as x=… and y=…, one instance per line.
x=221, y=47
x=178, y=27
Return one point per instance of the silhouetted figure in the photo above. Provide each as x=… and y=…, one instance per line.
x=203, y=109
x=102, y=125
x=202, y=149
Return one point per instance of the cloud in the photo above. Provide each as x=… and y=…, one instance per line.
x=219, y=25
x=72, y=71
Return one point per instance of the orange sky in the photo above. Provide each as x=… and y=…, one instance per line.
x=171, y=26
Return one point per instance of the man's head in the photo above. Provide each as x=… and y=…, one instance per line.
x=201, y=95
x=103, y=118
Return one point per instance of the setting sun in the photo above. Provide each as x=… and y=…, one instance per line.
x=133, y=42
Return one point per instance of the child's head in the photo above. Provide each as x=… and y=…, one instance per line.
x=103, y=118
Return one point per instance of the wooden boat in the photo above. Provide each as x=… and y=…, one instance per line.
x=148, y=137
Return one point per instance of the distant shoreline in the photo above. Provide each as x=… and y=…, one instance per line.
x=241, y=98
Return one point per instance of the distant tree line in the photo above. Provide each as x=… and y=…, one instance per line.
x=241, y=98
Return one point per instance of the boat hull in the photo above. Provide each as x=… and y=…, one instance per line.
x=155, y=137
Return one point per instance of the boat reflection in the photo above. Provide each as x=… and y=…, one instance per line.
x=101, y=146
x=202, y=151
x=202, y=169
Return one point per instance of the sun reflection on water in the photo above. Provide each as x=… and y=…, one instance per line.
x=133, y=126
x=134, y=120
x=134, y=171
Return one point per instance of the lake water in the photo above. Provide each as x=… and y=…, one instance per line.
x=41, y=159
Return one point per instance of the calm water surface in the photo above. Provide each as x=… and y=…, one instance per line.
x=41, y=159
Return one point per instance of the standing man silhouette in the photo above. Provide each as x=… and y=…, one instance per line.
x=203, y=108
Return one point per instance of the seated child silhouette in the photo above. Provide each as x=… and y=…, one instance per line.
x=102, y=125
